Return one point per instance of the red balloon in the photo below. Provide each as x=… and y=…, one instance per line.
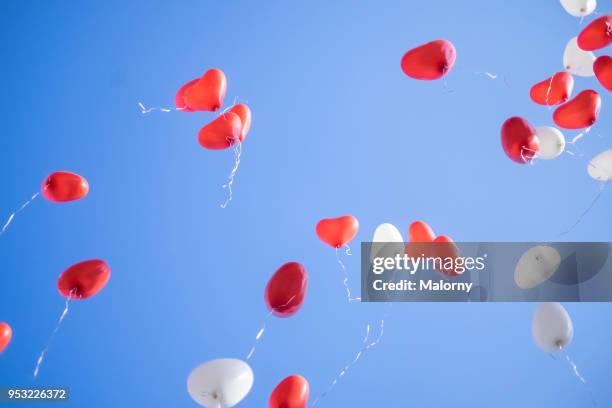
x=292, y=392
x=6, y=333
x=596, y=35
x=445, y=248
x=603, y=71
x=207, y=93
x=222, y=132
x=519, y=140
x=580, y=112
x=419, y=231
x=84, y=279
x=429, y=61
x=286, y=289
x=63, y=186
x=244, y=113
x=179, y=98
x=554, y=90
x=337, y=232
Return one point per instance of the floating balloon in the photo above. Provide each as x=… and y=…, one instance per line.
x=580, y=112
x=337, y=232
x=222, y=133
x=596, y=35
x=554, y=90
x=519, y=140
x=536, y=266
x=445, y=248
x=292, y=392
x=286, y=289
x=429, y=61
x=552, y=327
x=63, y=186
x=244, y=113
x=603, y=71
x=6, y=333
x=577, y=61
x=387, y=241
x=221, y=383
x=419, y=231
x=420, y=243
x=179, y=98
x=579, y=8
x=205, y=94
x=552, y=142
x=84, y=279
x=600, y=167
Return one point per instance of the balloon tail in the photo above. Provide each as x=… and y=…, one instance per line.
x=258, y=336
x=585, y=212
x=548, y=92
x=366, y=345
x=349, y=296
x=230, y=178
x=528, y=159
x=43, y=353
x=144, y=110
x=574, y=368
x=12, y=216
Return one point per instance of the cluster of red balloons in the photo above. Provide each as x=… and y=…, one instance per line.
x=206, y=94
x=421, y=233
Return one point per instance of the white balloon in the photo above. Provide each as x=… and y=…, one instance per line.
x=552, y=142
x=387, y=241
x=536, y=266
x=220, y=383
x=577, y=61
x=600, y=166
x=552, y=327
x=579, y=8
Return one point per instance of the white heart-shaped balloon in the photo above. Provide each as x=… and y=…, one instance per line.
x=552, y=142
x=552, y=327
x=579, y=8
x=600, y=166
x=386, y=242
x=536, y=266
x=577, y=61
x=220, y=383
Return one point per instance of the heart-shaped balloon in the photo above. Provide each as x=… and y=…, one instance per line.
x=207, y=93
x=444, y=247
x=286, y=289
x=580, y=112
x=244, y=113
x=292, y=392
x=578, y=61
x=519, y=140
x=222, y=132
x=554, y=90
x=63, y=186
x=603, y=71
x=220, y=383
x=429, y=61
x=179, y=98
x=597, y=34
x=337, y=232
x=6, y=333
x=419, y=231
x=84, y=279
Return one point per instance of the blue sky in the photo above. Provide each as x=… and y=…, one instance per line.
x=337, y=129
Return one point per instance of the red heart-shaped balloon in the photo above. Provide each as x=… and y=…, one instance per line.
x=63, y=186
x=84, y=279
x=292, y=392
x=580, y=112
x=244, y=113
x=286, y=289
x=597, y=34
x=337, y=232
x=519, y=140
x=207, y=93
x=6, y=333
x=419, y=231
x=554, y=90
x=444, y=248
x=603, y=71
x=222, y=132
x=429, y=61
x=179, y=98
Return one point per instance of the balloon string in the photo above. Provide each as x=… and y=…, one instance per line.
x=261, y=331
x=548, y=91
x=230, y=182
x=12, y=216
x=574, y=368
x=57, y=327
x=366, y=345
x=585, y=212
x=349, y=296
x=144, y=110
